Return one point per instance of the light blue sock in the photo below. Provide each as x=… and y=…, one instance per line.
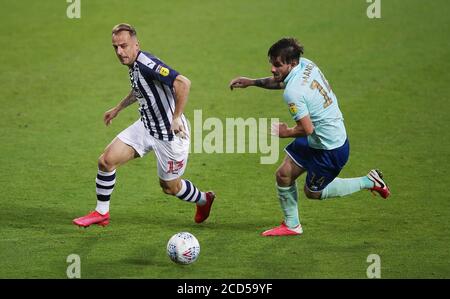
x=342, y=187
x=288, y=200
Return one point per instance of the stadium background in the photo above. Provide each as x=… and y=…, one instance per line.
x=60, y=75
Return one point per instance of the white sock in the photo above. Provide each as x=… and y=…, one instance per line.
x=102, y=207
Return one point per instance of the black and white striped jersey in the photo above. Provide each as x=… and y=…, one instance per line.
x=152, y=83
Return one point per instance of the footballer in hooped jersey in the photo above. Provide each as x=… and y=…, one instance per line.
x=161, y=93
x=321, y=147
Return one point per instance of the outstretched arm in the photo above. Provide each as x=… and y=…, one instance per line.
x=112, y=113
x=267, y=83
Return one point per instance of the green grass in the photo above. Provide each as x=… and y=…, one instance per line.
x=59, y=75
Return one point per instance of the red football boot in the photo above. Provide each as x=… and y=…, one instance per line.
x=92, y=218
x=202, y=212
x=283, y=230
x=380, y=185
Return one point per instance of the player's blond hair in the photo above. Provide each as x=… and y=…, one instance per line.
x=124, y=27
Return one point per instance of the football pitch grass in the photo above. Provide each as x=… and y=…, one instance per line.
x=60, y=75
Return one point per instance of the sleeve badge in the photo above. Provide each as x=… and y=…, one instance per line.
x=163, y=71
x=293, y=109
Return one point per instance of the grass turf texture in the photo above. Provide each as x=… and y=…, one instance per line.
x=59, y=75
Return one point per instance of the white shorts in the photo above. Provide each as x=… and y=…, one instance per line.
x=171, y=156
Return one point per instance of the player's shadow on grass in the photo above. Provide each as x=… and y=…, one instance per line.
x=183, y=220
x=145, y=256
x=23, y=216
x=138, y=261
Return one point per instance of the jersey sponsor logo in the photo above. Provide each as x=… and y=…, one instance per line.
x=163, y=71
x=293, y=109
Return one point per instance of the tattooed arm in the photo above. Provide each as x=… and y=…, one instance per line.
x=112, y=113
x=267, y=83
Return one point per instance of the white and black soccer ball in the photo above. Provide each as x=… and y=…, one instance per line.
x=183, y=248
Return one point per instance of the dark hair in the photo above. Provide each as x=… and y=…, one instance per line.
x=287, y=48
x=124, y=27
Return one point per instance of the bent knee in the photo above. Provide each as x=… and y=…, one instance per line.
x=170, y=189
x=105, y=163
x=283, y=179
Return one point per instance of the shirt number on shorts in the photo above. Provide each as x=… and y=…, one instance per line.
x=175, y=166
x=316, y=182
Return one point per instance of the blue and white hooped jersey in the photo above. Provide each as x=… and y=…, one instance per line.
x=152, y=83
x=308, y=92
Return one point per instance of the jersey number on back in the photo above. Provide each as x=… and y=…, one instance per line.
x=323, y=92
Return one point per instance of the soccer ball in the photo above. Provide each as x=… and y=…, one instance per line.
x=183, y=248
